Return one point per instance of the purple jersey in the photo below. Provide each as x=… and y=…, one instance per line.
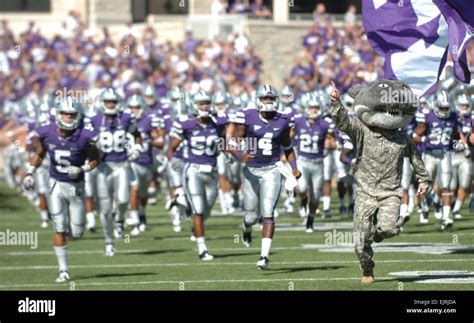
x=440, y=130
x=112, y=134
x=420, y=117
x=145, y=125
x=202, y=138
x=264, y=136
x=310, y=137
x=465, y=128
x=466, y=125
x=64, y=152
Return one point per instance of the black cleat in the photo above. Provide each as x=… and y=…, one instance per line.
x=262, y=263
x=247, y=239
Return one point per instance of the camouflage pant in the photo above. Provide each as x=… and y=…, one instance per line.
x=373, y=216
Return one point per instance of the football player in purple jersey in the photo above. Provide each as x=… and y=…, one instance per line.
x=461, y=179
x=148, y=124
x=267, y=132
x=201, y=131
x=68, y=145
x=437, y=129
x=114, y=174
x=310, y=132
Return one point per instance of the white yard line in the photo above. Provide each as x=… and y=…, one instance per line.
x=178, y=282
x=216, y=263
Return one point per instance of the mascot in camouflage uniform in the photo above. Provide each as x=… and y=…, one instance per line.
x=380, y=145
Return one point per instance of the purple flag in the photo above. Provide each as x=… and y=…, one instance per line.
x=415, y=36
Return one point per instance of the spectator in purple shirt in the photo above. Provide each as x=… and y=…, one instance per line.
x=259, y=9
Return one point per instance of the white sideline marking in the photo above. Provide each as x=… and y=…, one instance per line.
x=438, y=276
x=100, y=251
x=184, y=264
x=220, y=281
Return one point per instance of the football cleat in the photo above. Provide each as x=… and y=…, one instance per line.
x=424, y=217
x=63, y=277
x=109, y=250
x=447, y=223
x=457, y=215
x=118, y=231
x=206, y=256
x=327, y=214
x=262, y=263
x=152, y=200
x=90, y=221
x=44, y=224
x=309, y=224
x=247, y=239
x=135, y=231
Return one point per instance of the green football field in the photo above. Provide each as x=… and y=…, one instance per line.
x=421, y=258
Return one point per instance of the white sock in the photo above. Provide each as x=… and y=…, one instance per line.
x=201, y=244
x=457, y=206
x=436, y=198
x=222, y=201
x=61, y=254
x=326, y=202
x=228, y=198
x=446, y=211
x=403, y=210
x=133, y=214
x=151, y=191
x=266, y=245
x=44, y=215
x=424, y=205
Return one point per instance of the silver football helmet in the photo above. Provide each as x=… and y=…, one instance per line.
x=463, y=104
x=222, y=101
x=286, y=95
x=312, y=106
x=136, y=103
x=150, y=96
x=110, y=101
x=68, y=113
x=442, y=104
x=267, y=98
x=202, y=105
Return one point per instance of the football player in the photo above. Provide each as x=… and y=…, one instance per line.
x=437, y=129
x=268, y=131
x=114, y=174
x=201, y=132
x=311, y=131
x=148, y=125
x=461, y=179
x=68, y=145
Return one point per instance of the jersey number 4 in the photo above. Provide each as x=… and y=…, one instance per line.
x=265, y=144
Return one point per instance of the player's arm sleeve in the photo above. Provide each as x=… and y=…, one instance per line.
x=238, y=117
x=177, y=130
x=350, y=126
